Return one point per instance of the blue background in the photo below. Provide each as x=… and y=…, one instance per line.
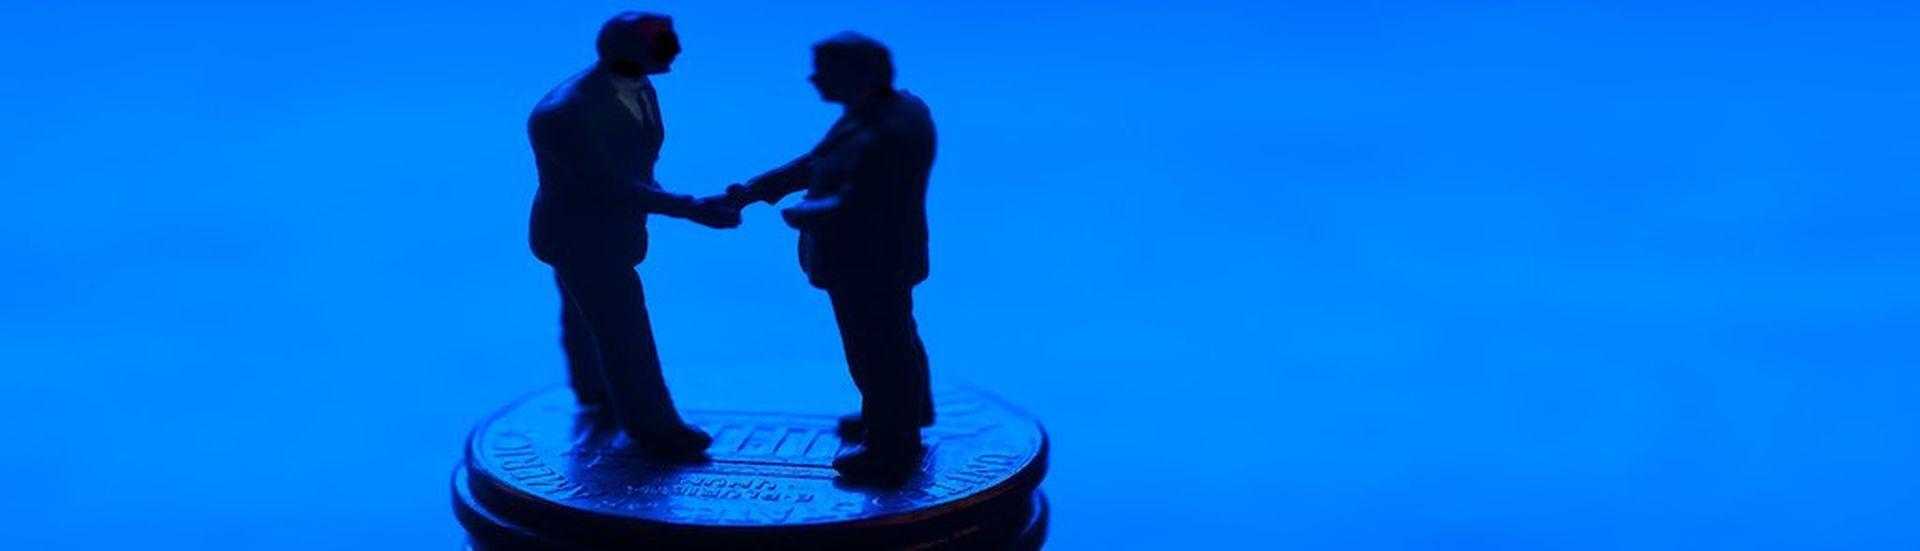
x=1325, y=275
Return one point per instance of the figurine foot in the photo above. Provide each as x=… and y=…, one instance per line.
x=683, y=443
x=853, y=428
x=880, y=464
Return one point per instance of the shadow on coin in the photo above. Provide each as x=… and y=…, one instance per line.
x=915, y=483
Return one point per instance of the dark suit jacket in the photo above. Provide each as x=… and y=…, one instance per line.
x=870, y=174
x=596, y=174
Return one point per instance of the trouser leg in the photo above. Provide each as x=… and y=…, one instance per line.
x=583, y=355
x=613, y=304
x=886, y=359
x=922, y=373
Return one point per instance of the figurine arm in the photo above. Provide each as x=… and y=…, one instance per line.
x=774, y=184
x=870, y=168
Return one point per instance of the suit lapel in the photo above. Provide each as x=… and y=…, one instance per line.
x=656, y=127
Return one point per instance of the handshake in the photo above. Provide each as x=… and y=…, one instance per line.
x=723, y=211
x=720, y=211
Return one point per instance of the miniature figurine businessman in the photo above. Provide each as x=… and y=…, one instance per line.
x=863, y=239
x=595, y=139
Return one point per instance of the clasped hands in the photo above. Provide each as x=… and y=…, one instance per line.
x=714, y=212
x=723, y=211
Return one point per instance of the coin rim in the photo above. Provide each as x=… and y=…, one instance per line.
x=491, y=530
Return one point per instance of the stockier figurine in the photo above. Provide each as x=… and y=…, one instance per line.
x=863, y=239
x=595, y=138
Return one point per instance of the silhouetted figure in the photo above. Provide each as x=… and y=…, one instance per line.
x=595, y=138
x=863, y=239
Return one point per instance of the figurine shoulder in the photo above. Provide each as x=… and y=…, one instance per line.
x=912, y=108
x=908, y=119
x=564, y=109
x=568, y=100
x=909, y=115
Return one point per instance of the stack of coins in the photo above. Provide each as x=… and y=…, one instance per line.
x=542, y=474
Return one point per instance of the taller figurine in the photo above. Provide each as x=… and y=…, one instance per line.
x=595, y=139
x=863, y=239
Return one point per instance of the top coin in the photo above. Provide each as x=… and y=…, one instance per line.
x=542, y=462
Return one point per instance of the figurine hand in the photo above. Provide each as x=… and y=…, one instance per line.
x=795, y=218
x=809, y=212
x=737, y=196
x=714, y=214
x=716, y=202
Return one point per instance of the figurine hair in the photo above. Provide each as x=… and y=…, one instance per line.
x=864, y=56
x=622, y=33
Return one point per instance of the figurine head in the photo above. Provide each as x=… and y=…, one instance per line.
x=849, y=67
x=637, y=43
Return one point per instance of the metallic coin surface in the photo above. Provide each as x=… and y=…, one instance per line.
x=544, y=466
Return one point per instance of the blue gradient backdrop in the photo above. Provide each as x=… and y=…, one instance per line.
x=1318, y=275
